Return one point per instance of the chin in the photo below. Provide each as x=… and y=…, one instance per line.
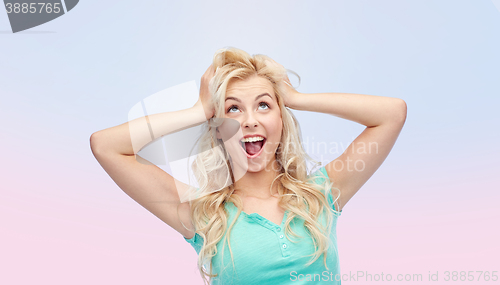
x=265, y=165
x=252, y=166
x=255, y=168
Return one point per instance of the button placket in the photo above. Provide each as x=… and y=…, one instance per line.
x=256, y=218
x=285, y=252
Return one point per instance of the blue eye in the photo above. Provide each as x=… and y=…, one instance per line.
x=264, y=104
x=231, y=108
x=234, y=108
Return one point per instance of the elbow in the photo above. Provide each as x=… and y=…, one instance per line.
x=95, y=144
x=400, y=111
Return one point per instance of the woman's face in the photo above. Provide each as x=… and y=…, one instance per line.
x=253, y=104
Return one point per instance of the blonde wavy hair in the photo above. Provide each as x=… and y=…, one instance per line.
x=297, y=192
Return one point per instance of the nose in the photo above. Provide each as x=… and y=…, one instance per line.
x=250, y=121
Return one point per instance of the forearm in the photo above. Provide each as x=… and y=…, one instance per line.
x=368, y=110
x=130, y=137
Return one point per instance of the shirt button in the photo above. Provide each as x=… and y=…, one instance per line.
x=284, y=246
x=281, y=236
x=278, y=229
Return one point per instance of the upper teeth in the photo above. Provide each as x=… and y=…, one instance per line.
x=252, y=139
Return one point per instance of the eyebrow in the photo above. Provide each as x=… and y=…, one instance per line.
x=256, y=98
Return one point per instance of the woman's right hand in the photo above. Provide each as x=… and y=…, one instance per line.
x=205, y=98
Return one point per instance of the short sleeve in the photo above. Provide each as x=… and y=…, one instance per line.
x=196, y=242
x=321, y=176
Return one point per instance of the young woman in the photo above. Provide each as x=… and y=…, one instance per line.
x=257, y=216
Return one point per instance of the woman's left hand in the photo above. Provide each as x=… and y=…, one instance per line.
x=290, y=93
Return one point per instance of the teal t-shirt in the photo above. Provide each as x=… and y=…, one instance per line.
x=263, y=255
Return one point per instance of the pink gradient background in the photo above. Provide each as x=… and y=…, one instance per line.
x=61, y=228
x=432, y=206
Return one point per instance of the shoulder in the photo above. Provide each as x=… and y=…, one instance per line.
x=196, y=242
x=320, y=177
x=195, y=239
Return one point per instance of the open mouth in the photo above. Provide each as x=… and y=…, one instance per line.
x=253, y=146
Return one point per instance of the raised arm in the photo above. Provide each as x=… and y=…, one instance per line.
x=116, y=150
x=383, y=117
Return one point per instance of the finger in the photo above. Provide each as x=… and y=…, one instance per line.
x=207, y=71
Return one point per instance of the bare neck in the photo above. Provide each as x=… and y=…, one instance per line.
x=257, y=184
